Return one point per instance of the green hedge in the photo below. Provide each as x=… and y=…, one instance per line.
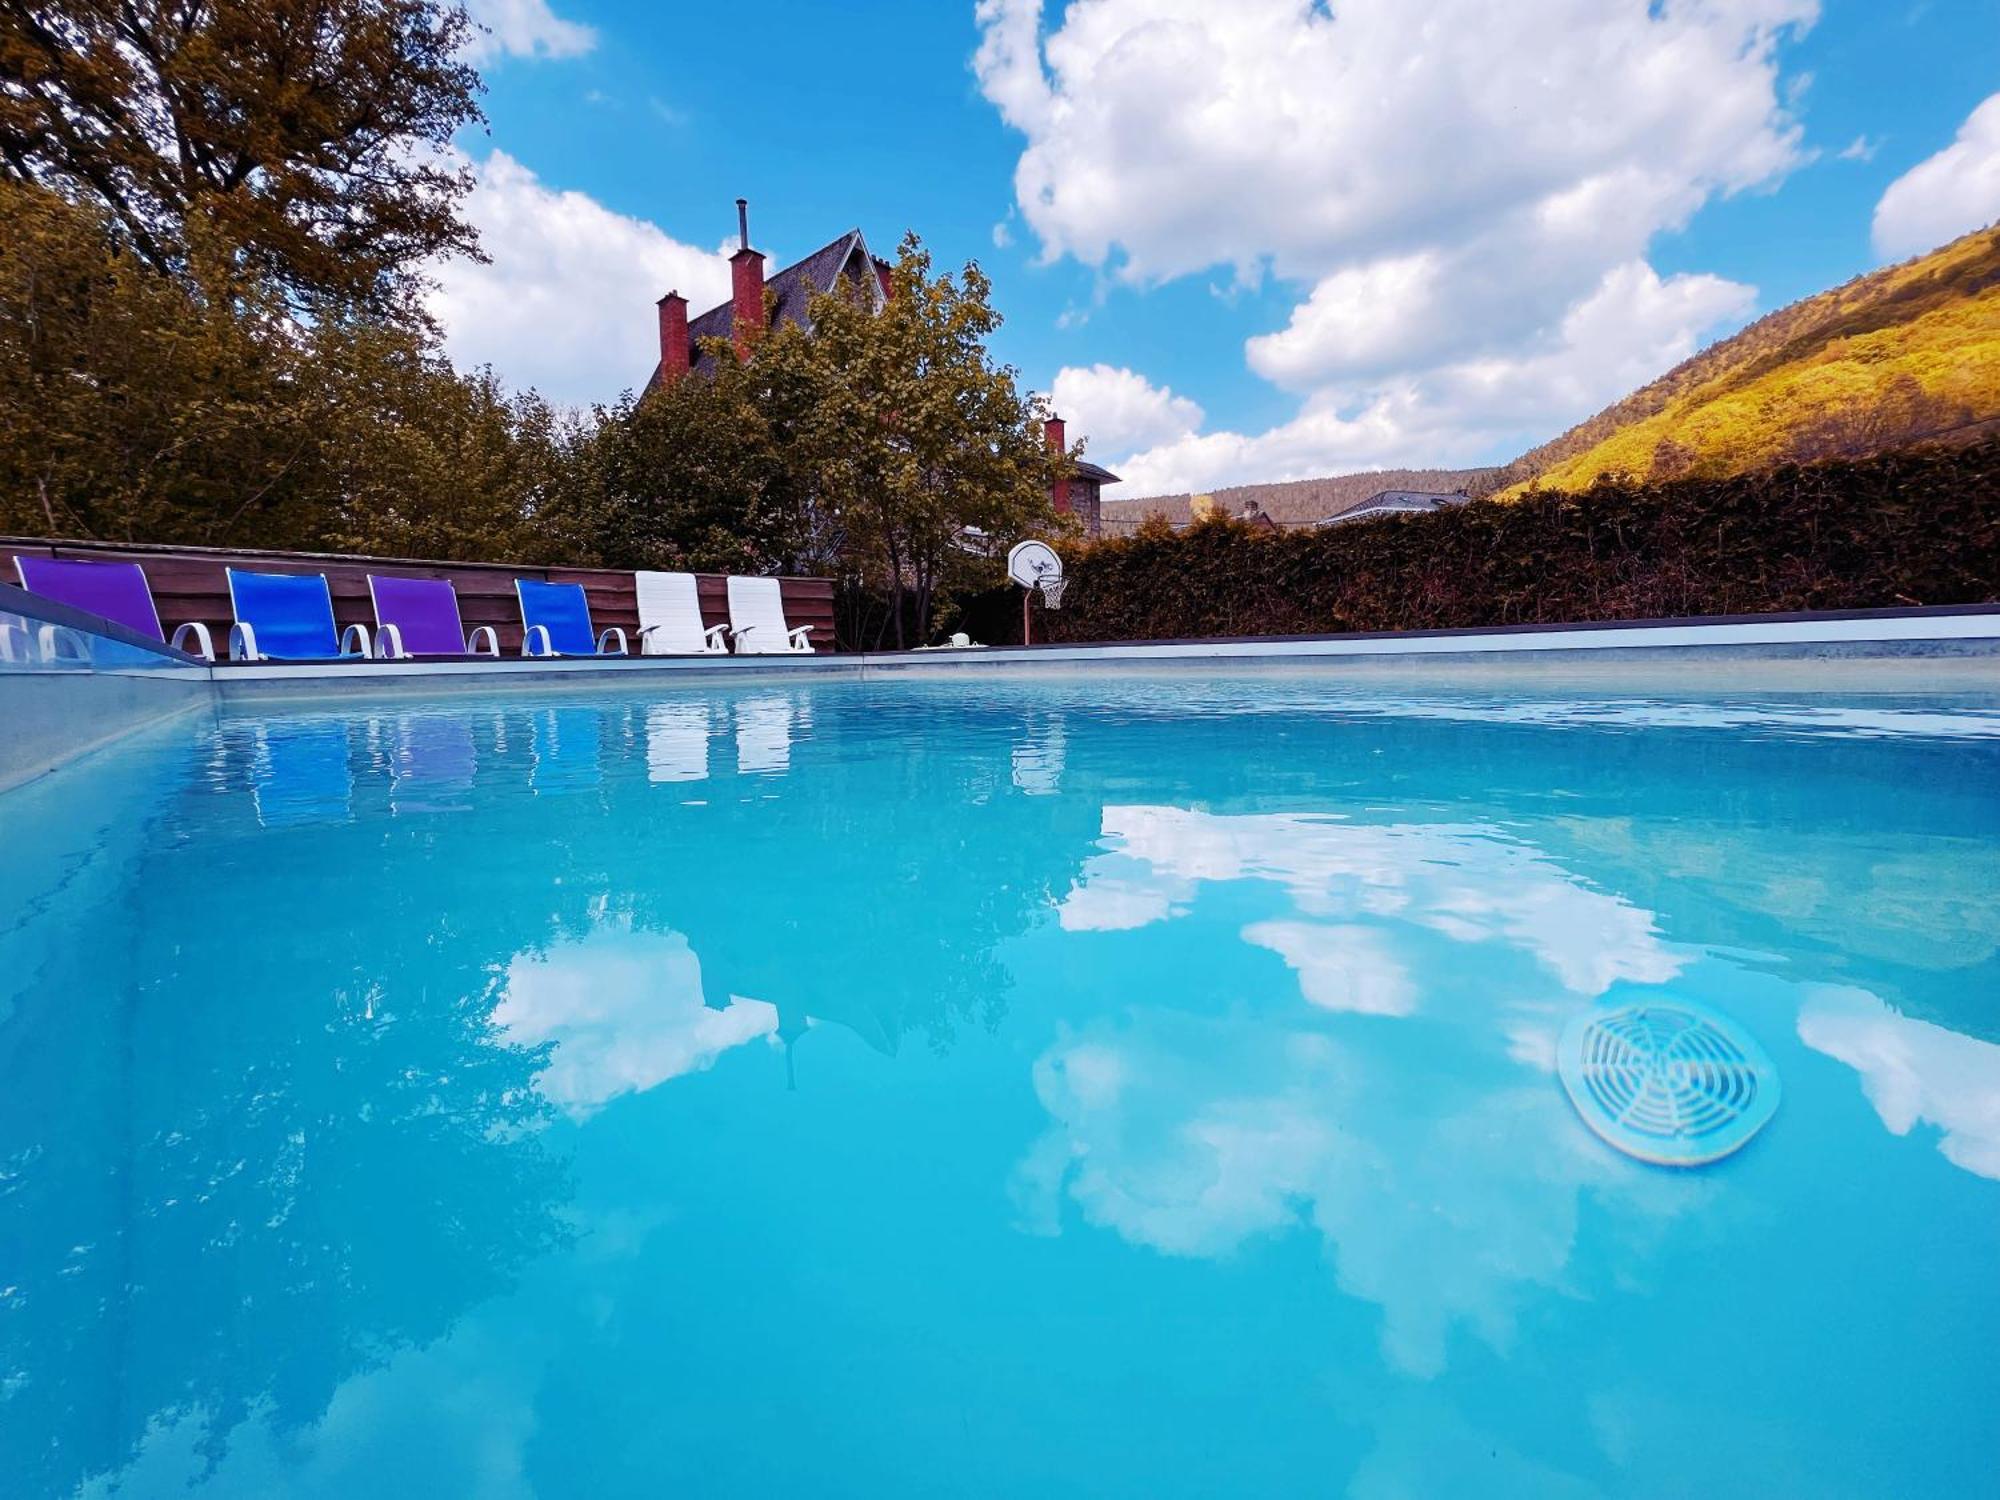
x=1916, y=527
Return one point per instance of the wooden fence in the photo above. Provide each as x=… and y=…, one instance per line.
x=189, y=584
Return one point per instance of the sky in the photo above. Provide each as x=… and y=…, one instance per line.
x=1242, y=241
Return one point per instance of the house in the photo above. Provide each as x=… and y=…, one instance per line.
x=1396, y=502
x=790, y=301
x=1080, y=495
x=743, y=315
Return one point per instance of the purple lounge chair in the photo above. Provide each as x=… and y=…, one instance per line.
x=116, y=590
x=419, y=617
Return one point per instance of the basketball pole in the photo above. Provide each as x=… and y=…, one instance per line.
x=1027, y=598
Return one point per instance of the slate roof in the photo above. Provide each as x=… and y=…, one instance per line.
x=794, y=287
x=1085, y=469
x=1390, y=502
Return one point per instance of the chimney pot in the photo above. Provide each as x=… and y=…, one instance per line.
x=746, y=275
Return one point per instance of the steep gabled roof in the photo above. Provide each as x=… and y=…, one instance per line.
x=794, y=287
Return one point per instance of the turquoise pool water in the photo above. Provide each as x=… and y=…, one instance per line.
x=1038, y=1089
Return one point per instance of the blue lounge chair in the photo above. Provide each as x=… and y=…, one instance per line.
x=555, y=621
x=288, y=617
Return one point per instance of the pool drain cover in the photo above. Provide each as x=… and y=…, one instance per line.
x=1668, y=1083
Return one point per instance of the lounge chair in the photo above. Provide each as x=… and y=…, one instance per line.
x=757, y=620
x=116, y=590
x=555, y=621
x=419, y=617
x=288, y=617
x=670, y=617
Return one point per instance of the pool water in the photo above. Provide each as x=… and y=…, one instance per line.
x=900, y=1089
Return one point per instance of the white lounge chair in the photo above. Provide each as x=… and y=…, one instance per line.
x=757, y=620
x=670, y=617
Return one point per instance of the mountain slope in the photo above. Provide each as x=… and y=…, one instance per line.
x=1297, y=502
x=1904, y=354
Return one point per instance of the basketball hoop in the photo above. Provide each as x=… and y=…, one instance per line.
x=1034, y=565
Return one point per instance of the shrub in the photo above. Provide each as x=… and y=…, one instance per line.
x=1920, y=526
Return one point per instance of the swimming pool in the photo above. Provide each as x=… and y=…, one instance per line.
x=1056, y=1087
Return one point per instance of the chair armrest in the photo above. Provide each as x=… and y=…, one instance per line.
x=712, y=638
x=613, y=632
x=797, y=636
x=204, y=643
x=533, y=634
x=9, y=633
x=389, y=642
x=484, y=641
x=60, y=643
x=243, y=642
x=354, y=641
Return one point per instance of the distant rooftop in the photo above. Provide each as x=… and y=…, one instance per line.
x=1397, y=502
x=1302, y=502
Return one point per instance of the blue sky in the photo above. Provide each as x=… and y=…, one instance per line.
x=1263, y=240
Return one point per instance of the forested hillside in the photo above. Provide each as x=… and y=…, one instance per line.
x=1907, y=354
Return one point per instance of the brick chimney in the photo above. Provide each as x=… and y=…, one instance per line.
x=673, y=337
x=746, y=274
x=1052, y=431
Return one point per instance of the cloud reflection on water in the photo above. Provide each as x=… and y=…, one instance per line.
x=1442, y=1171
x=1913, y=1071
x=625, y=1011
x=1470, y=883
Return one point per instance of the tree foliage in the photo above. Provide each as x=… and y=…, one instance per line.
x=138, y=406
x=928, y=451
x=193, y=405
x=307, y=136
x=883, y=444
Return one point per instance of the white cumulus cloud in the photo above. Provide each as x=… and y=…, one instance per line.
x=1949, y=194
x=1121, y=411
x=1464, y=195
x=525, y=28
x=1631, y=327
x=1167, y=136
x=565, y=303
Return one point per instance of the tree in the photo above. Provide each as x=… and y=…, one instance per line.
x=678, y=478
x=927, y=451
x=136, y=406
x=419, y=460
x=309, y=136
